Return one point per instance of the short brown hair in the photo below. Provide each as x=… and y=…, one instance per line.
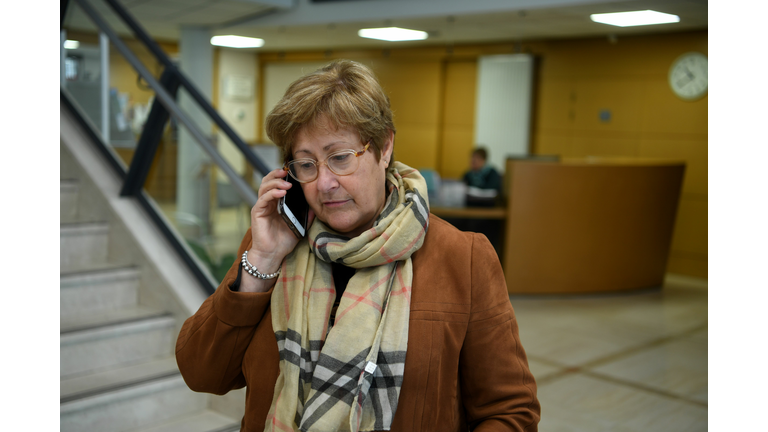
x=346, y=93
x=480, y=151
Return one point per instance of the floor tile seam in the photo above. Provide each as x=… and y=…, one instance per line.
x=547, y=361
x=642, y=347
x=575, y=371
x=629, y=351
x=554, y=377
x=639, y=386
x=564, y=370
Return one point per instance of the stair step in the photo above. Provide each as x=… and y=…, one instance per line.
x=68, y=202
x=98, y=290
x=206, y=421
x=72, y=389
x=99, y=346
x=102, y=319
x=83, y=246
x=132, y=407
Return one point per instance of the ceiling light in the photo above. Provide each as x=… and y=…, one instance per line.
x=71, y=44
x=232, y=41
x=392, y=34
x=637, y=18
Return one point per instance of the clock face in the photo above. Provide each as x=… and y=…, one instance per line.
x=688, y=76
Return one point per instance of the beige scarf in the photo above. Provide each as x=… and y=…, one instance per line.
x=348, y=377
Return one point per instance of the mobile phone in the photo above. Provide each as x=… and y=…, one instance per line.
x=293, y=208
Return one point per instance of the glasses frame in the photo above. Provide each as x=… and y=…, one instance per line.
x=357, y=154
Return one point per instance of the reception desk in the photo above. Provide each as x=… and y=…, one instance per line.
x=589, y=225
x=470, y=212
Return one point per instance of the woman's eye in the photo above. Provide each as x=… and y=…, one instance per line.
x=340, y=157
x=306, y=165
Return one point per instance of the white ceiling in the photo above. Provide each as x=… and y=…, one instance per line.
x=333, y=24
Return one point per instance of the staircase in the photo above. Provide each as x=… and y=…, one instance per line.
x=119, y=325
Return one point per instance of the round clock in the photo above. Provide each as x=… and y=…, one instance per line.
x=688, y=76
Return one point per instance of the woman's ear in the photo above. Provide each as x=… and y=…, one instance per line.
x=389, y=145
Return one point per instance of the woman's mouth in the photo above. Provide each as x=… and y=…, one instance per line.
x=334, y=203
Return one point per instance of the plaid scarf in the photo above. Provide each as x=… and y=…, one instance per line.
x=347, y=376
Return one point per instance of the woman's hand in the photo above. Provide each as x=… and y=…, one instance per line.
x=272, y=238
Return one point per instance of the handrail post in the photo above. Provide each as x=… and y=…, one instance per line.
x=150, y=139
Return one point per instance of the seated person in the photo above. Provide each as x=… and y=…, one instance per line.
x=484, y=177
x=481, y=175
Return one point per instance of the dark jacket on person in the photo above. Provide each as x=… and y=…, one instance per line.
x=486, y=178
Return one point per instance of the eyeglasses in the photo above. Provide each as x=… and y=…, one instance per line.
x=342, y=162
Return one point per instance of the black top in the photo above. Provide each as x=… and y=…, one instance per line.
x=341, y=276
x=486, y=178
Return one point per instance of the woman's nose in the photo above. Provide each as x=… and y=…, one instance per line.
x=326, y=179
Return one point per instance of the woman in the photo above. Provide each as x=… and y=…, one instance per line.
x=385, y=317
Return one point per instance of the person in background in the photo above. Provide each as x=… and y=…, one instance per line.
x=482, y=175
x=384, y=317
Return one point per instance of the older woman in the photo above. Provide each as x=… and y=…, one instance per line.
x=384, y=317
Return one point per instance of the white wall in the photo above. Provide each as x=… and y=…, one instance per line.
x=503, y=113
x=277, y=78
x=238, y=73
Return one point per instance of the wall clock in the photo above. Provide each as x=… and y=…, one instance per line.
x=688, y=76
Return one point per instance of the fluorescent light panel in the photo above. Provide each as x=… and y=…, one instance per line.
x=71, y=44
x=392, y=34
x=232, y=41
x=636, y=18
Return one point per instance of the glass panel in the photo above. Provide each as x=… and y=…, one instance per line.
x=191, y=192
x=199, y=200
x=109, y=90
x=82, y=68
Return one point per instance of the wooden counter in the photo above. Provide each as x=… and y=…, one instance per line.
x=469, y=212
x=590, y=225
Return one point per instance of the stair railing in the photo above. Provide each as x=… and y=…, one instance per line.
x=163, y=106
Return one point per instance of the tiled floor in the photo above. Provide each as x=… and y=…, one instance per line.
x=621, y=362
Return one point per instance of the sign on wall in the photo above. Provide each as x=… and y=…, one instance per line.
x=238, y=87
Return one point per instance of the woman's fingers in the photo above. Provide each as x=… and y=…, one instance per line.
x=275, y=179
x=273, y=186
x=267, y=202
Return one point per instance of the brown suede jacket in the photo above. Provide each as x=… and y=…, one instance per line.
x=465, y=367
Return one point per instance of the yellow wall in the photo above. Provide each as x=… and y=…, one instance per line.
x=432, y=90
x=578, y=78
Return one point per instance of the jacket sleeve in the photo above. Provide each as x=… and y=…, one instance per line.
x=498, y=390
x=213, y=341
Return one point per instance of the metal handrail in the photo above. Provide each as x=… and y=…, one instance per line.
x=240, y=186
x=165, y=103
x=186, y=255
x=155, y=49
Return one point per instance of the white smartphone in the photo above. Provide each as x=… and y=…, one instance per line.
x=294, y=209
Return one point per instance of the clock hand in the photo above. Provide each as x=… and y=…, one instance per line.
x=682, y=83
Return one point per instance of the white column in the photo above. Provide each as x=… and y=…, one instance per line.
x=193, y=184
